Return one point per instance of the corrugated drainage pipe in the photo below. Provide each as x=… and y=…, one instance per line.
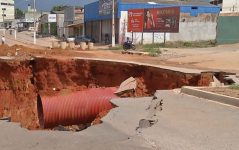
x=73, y=109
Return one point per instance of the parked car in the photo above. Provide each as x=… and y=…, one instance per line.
x=86, y=39
x=71, y=39
x=31, y=29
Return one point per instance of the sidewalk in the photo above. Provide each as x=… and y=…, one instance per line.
x=26, y=39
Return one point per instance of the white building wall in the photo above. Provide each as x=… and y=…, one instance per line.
x=190, y=29
x=60, y=24
x=195, y=31
x=229, y=6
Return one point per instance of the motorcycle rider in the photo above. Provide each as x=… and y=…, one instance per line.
x=128, y=42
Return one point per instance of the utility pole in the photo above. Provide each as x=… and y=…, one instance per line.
x=34, y=14
x=113, y=23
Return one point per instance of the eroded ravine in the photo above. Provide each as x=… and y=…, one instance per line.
x=22, y=80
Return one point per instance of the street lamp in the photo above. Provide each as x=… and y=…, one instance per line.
x=34, y=34
x=113, y=23
x=34, y=19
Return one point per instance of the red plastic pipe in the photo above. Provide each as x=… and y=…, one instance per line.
x=73, y=109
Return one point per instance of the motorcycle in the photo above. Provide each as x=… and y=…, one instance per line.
x=129, y=45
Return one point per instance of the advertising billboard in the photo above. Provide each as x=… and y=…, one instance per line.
x=135, y=20
x=154, y=20
x=105, y=7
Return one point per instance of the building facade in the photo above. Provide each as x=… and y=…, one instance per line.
x=230, y=6
x=227, y=6
x=52, y=24
x=7, y=9
x=196, y=19
x=73, y=21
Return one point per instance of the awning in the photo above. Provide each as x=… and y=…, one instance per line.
x=75, y=25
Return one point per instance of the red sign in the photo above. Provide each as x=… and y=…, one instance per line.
x=154, y=20
x=135, y=20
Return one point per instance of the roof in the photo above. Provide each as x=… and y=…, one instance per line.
x=177, y=2
x=194, y=8
x=58, y=12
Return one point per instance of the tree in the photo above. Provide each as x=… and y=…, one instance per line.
x=58, y=8
x=19, y=14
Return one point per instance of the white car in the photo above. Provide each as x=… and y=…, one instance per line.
x=31, y=29
x=71, y=39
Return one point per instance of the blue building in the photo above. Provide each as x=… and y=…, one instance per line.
x=196, y=19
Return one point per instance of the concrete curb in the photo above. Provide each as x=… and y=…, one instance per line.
x=210, y=96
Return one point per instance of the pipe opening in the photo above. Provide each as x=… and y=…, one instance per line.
x=40, y=111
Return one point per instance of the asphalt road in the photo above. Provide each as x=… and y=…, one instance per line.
x=186, y=123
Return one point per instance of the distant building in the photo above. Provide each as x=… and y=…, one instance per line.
x=7, y=11
x=60, y=18
x=31, y=15
x=73, y=21
x=52, y=24
x=227, y=6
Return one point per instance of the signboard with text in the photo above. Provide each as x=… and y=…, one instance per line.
x=51, y=17
x=135, y=20
x=154, y=20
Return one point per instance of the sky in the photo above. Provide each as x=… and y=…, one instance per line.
x=46, y=5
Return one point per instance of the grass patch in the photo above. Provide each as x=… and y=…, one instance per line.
x=234, y=86
x=152, y=49
x=118, y=47
x=180, y=44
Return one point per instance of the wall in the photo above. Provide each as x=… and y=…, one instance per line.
x=60, y=24
x=227, y=29
x=194, y=28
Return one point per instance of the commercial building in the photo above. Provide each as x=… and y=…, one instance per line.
x=196, y=19
x=7, y=11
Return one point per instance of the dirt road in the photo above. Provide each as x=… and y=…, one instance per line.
x=223, y=57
